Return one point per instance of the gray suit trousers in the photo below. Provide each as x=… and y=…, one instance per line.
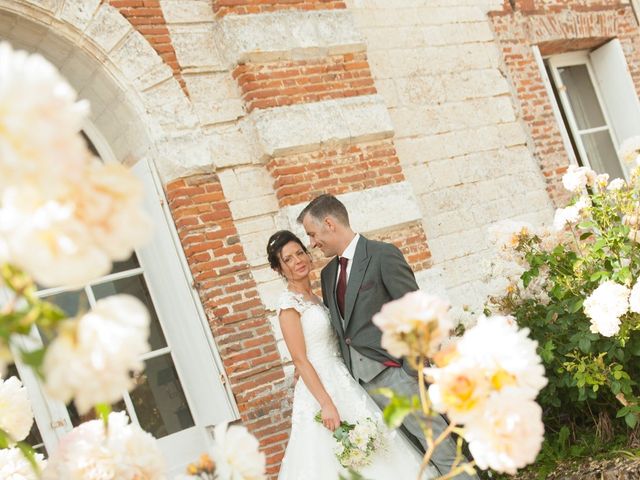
x=406, y=385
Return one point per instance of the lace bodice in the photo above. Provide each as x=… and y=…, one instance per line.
x=319, y=336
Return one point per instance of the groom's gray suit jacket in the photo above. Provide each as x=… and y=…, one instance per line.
x=379, y=274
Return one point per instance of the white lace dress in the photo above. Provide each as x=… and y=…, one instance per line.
x=309, y=454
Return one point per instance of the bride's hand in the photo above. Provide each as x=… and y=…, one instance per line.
x=330, y=417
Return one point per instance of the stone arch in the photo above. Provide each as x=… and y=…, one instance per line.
x=136, y=102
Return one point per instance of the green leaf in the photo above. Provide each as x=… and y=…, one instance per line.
x=622, y=412
x=599, y=244
x=598, y=275
x=631, y=420
x=576, y=306
x=30, y=454
x=34, y=359
x=398, y=409
x=5, y=439
x=584, y=344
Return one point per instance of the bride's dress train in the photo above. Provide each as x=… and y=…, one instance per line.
x=310, y=452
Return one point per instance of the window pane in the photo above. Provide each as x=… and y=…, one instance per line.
x=137, y=287
x=159, y=400
x=582, y=97
x=129, y=264
x=77, y=419
x=602, y=154
x=71, y=303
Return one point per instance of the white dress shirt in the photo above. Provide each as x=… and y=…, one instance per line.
x=349, y=253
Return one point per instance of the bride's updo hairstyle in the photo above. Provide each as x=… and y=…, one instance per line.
x=276, y=243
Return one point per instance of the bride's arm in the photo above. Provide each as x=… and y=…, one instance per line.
x=294, y=338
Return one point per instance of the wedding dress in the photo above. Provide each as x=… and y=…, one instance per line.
x=310, y=452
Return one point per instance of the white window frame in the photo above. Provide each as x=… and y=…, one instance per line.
x=198, y=363
x=574, y=59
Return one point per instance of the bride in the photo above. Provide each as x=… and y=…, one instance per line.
x=325, y=384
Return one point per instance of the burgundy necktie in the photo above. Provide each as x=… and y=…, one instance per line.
x=342, y=284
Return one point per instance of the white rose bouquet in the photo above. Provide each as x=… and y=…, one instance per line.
x=356, y=443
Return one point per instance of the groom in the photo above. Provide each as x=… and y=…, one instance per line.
x=363, y=276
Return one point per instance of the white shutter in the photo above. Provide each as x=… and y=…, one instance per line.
x=189, y=336
x=617, y=90
x=566, y=141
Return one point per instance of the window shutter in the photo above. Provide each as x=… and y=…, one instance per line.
x=554, y=105
x=617, y=89
x=190, y=339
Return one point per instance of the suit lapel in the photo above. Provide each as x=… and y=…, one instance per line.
x=330, y=274
x=360, y=262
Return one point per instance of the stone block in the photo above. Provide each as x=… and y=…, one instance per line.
x=78, y=12
x=290, y=34
x=187, y=11
x=108, y=27
x=214, y=96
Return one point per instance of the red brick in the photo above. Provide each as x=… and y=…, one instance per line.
x=597, y=21
x=265, y=85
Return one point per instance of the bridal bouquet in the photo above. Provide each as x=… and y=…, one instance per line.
x=356, y=443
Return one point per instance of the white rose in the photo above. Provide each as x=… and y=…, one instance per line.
x=15, y=466
x=634, y=298
x=16, y=417
x=460, y=390
x=236, y=455
x=92, y=358
x=616, y=184
x=109, y=203
x=123, y=451
x=45, y=239
x=570, y=214
x=630, y=149
x=39, y=140
x=507, y=435
x=605, y=306
x=577, y=178
x=414, y=324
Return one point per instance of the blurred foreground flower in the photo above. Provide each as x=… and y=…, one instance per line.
x=15, y=466
x=64, y=215
x=414, y=325
x=488, y=382
x=507, y=435
x=578, y=178
x=119, y=451
x=630, y=150
x=236, y=455
x=605, y=306
x=92, y=359
x=39, y=124
x=16, y=417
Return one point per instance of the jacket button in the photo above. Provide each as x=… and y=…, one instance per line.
x=347, y=341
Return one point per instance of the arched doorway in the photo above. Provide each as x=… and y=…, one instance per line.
x=183, y=391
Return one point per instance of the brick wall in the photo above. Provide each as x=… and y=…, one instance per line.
x=274, y=84
x=337, y=170
x=235, y=312
x=412, y=241
x=147, y=18
x=557, y=26
x=225, y=7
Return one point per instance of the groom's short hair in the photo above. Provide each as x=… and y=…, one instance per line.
x=324, y=205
